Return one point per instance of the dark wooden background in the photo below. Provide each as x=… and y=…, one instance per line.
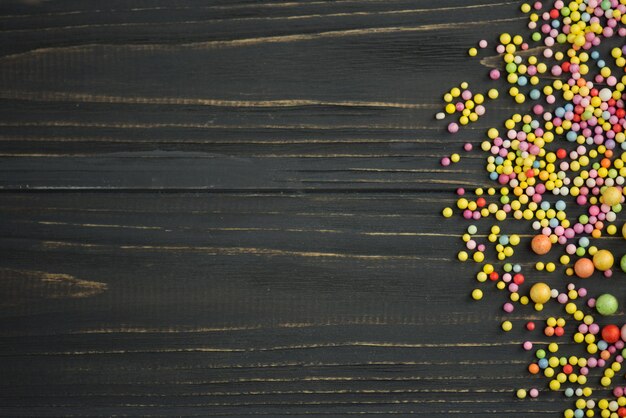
x=233, y=208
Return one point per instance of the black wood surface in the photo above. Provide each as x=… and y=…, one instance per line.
x=233, y=208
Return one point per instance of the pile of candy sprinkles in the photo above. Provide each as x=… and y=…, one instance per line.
x=558, y=168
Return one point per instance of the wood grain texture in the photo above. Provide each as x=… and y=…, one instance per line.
x=231, y=208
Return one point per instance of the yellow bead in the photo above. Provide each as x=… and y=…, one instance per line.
x=555, y=385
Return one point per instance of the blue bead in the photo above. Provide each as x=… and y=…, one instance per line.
x=554, y=222
x=602, y=345
x=560, y=205
x=571, y=136
x=583, y=242
x=493, y=176
x=543, y=363
x=545, y=205
x=559, y=112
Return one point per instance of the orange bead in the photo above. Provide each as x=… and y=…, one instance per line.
x=584, y=268
x=541, y=244
x=533, y=368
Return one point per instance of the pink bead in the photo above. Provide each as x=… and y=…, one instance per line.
x=453, y=128
x=508, y=307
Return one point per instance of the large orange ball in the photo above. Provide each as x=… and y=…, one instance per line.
x=541, y=244
x=584, y=268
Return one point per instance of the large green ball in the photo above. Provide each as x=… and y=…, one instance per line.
x=606, y=304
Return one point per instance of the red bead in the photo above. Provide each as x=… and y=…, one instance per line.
x=559, y=331
x=518, y=279
x=530, y=326
x=554, y=13
x=493, y=276
x=568, y=369
x=621, y=412
x=561, y=153
x=611, y=333
x=481, y=202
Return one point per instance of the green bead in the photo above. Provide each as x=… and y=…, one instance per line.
x=511, y=67
x=606, y=304
x=622, y=263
